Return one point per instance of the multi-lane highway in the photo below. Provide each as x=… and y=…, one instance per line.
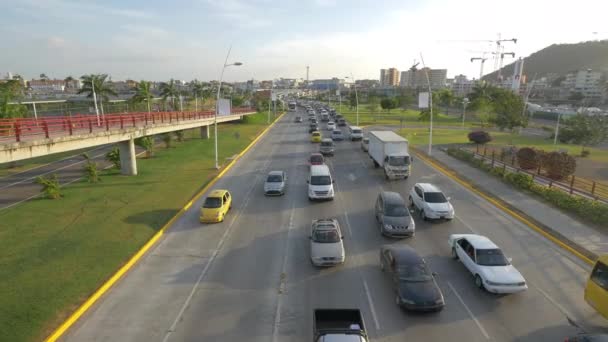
x=250, y=277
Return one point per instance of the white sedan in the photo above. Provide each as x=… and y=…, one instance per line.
x=326, y=247
x=331, y=126
x=491, y=269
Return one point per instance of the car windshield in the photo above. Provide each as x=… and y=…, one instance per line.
x=212, y=202
x=326, y=143
x=414, y=272
x=434, y=197
x=399, y=161
x=336, y=132
x=274, y=179
x=325, y=236
x=366, y=140
x=316, y=159
x=396, y=210
x=316, y=134
x=320, y=180
x=491, y=257
x=356, y=131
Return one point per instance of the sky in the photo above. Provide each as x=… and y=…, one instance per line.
x=187, y=39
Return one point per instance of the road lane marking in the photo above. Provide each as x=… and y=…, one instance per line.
x=371, y=305
x=283, y=279
x=453, y=176
x=557, y=305
x=87, y=304
x=466, y=225
x=481, y=328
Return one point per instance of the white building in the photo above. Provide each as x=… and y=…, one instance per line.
x=47, y=86
x=417, y=79
x=586, y=82
x=462, y=86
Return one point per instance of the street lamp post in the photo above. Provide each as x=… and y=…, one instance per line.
x=465, y=102
x=356, y=95
x=428, y=81
x=559, y=115
x=217, y=102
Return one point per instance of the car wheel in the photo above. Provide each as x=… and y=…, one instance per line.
x=454, y=254
x=423, y=215
x=478, y=281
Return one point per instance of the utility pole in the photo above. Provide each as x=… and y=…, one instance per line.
x=428, y=81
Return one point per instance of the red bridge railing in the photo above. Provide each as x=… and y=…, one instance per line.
x=19, y=129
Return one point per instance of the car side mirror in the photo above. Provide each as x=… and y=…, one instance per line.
x=449, y=198
x=412, y=211
x=333, y=181
x=435, y=274
x=342, y=237
x=510, y=260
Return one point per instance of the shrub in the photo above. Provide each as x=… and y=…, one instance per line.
x=167, y=138
x=528, y=158
x=50, y=186
x=91, y=169
x=558, y=165
x=113, y=156
x=585, y=153
x=520, y=180
x=479, y=137
x=146, y=143
x=498, y=172
x=179, y=135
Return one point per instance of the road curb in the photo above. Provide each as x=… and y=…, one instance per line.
x=86, y=305
x=551, y=234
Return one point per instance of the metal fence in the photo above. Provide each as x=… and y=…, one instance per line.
x=16, y=130
x=506, y=158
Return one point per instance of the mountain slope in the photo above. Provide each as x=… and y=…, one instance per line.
x=560, y=59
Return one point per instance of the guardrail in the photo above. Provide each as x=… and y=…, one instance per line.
x=47, y=127
x=572, y=185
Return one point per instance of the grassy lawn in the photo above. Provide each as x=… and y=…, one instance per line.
x=56, y=253
x=395, y=116
x=20, y=166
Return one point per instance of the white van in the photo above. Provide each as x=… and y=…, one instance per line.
x=320, y=183
x=355, y=133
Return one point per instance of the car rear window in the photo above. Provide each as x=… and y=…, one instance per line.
x=274, y=179
x=434, y=197
x=326, y=236
x=212, y=202
x=316, y=159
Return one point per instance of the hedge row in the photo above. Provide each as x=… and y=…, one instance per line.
x=586, y=209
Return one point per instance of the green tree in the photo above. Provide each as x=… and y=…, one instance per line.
x=197, y=91
x=353, y=100
x=586, y=129
x=446, y=98
x=113, y=156
x=169, y=90
x=405, y=100
x=484, y=111
x=147, y=143
x=50, y=186
x=91, y=169
x=103, y=89
x=11, y=91
x=237, y=101
x=143, y=93
x=388, y=103
x=509, y=110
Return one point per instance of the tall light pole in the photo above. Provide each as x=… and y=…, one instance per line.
x=94, y=99
x=356, y=96
x=217, y=102
x=465, y=102
x=428, y=81
x=559, y=115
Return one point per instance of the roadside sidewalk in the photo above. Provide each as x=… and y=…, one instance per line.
x=586, y=236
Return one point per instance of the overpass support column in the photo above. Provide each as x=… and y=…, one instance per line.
x=128, y=162
x=205, y=132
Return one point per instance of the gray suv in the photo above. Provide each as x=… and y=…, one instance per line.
x=327, y=147
x=275, y=183
x=393, y=216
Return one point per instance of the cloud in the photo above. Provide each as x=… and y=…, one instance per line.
x=70, y=9
x=241, y=13
x=55, y=42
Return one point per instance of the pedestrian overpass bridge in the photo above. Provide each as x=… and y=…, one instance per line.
x=28, y=138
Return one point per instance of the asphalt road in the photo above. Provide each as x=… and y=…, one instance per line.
x=22, y=186
x=250, y=277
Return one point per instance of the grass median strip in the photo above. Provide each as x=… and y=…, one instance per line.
x=56, y=253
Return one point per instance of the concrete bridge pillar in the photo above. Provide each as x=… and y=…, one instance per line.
x=128, y=162
x=205, y=132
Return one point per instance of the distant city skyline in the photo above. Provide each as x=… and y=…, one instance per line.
x=188, y=39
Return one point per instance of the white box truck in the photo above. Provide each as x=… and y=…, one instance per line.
x=390, y=151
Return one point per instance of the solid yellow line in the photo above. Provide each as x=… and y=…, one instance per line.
x=512, y=213
x=135, y=258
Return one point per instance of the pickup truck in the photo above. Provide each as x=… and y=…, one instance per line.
x=344, y=325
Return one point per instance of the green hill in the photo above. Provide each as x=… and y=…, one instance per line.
x=559, y=59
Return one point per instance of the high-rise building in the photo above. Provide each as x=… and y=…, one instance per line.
x=389, y=77
x=462, y=86
x=417, y=79
x=586, y=82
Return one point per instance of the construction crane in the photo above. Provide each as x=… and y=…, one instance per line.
x=502, y=57
x=483, y=60
x=500, y=49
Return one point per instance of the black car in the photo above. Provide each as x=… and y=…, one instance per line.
x=412, y=280
x=341, y=122
x=313, y=127
x=298, y=119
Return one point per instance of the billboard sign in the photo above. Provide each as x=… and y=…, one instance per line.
x=423, y=100
x=223, y=107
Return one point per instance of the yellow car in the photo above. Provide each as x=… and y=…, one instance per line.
x=596, y=291
x=216, y=206
x=315, y=137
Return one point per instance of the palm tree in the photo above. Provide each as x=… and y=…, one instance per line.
x=169, y=89
x=143, y=93
x=197, y=91
x=99, y=84
x=446, y=96
x=44, y=77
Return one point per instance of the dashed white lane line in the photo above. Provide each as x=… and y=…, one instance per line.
x=371, y=305
x=283, y=279
x=469, y=227
x=481, y=328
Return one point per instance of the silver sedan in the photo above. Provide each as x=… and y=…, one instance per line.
x=275, y=183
